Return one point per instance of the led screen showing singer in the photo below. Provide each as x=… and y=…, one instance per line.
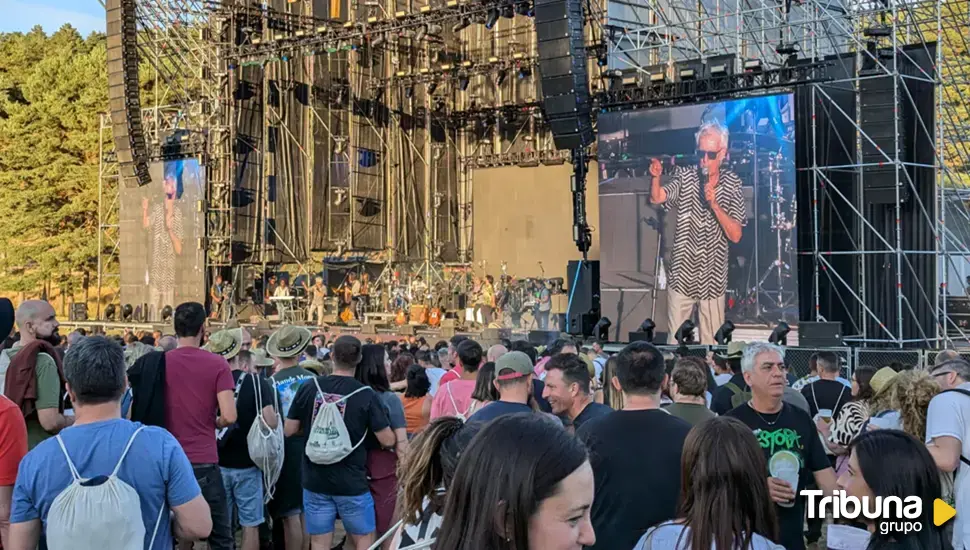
x=699, y=210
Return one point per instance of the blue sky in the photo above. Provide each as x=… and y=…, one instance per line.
x=22, y=15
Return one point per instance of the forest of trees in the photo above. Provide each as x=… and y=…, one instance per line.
x=52, y=92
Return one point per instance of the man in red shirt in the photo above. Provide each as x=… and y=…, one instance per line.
x=198, y=401
x=456, y=372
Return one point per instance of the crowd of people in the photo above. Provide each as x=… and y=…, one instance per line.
x=161, y=440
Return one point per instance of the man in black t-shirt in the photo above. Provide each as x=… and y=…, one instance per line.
x=788, y=438
x=243, y=480
x=568, y=390
x=635, y=453
x=340, y=488
x=827, y=393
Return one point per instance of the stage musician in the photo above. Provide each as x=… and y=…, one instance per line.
x=709, y=208
x=360, y=292
x=217, y=295
x=419, y=291
x=318, y=296
x=282, y=291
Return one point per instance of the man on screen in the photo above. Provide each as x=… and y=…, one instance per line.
x=709, y=209
x=164, y=220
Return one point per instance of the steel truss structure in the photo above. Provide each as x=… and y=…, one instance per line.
x=374, y=112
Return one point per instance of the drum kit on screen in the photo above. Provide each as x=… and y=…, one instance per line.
x=768, y=292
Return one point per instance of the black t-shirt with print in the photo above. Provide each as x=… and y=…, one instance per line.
x=788, y=436
x=362, y=413
x=233, y=447
x=826, y=394
x=635, y=457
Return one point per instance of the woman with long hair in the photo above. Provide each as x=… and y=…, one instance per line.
x=400, y=366
x=416, y=401
x=425, y=475
x=850, y=419
x=611, y=397
x=522, y=484
x=484, y=392
x=911, y=472
x=382, y=463
x=908, y=395
x=724, y=499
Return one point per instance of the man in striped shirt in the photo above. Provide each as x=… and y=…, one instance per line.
x=709, y=209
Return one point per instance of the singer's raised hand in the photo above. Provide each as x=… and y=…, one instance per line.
x=656, y=168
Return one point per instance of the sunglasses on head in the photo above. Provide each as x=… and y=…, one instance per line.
x=711, y=155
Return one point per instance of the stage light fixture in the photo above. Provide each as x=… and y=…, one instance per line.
x=491, y=17
x=647, y=327
x=523, y=72
x=602, y=59
x=109, y=312
x=500, y=77
x=687, y=74
x=508, y=11
x=409, y=92
x=685, y=334
x=432, y=86
x=126, y=312
x=780, y=334
x=166, y=313
x=752, y=66
x=524, y=8
x=601, y=330
x=463, y=81
x=656, y=78
x=434, y=29
x=718, y=70
x=787, y=48
x=461, y=24
x=724, y=334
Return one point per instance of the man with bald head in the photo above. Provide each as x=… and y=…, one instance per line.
x=33, y=362
x=495, y=352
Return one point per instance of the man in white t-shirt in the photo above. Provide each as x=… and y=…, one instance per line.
x=948, y=437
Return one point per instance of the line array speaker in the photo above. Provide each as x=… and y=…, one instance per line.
x=123, y=99
x=878, y=111
x=563, y=75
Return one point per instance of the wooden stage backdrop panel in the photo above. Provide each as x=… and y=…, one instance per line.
x=524, y=216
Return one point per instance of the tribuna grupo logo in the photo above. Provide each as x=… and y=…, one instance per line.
x=891, y=514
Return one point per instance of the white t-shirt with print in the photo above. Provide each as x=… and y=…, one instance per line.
x=949, y=415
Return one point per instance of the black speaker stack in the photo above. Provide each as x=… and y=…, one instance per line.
x=583, y=307
x=879, y=108
x=123, y=99
x=563, y=74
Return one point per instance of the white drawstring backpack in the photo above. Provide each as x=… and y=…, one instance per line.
x=87, y=516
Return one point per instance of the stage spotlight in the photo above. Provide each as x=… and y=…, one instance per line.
x=523, y=72
x=127, y=311
x=461, y=24
x=109, y=312
x=463, y=81
x=687, y=74
x=685, y=334
x=166, y=313
x=780, y=334
x=508, y=11
x=434, y=29
x=752, y=66
x=491, y=17
x=601, y=330
x=719, y=70
x=647, y=327
x=724, y=334
x=602, y=59
x=500, y=77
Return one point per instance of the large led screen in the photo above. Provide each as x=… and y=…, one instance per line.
x=697, y=216
x=162, y=225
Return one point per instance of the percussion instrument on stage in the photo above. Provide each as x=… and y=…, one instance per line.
x=401, y=318
x=346, y=315
x=419, y=314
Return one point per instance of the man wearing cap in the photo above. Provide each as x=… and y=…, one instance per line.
x=948, y=437
x=339, y=489
x=722, y=397
x=513, y=380
x=198, y=401
x=240, y=475
x=286, y=345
